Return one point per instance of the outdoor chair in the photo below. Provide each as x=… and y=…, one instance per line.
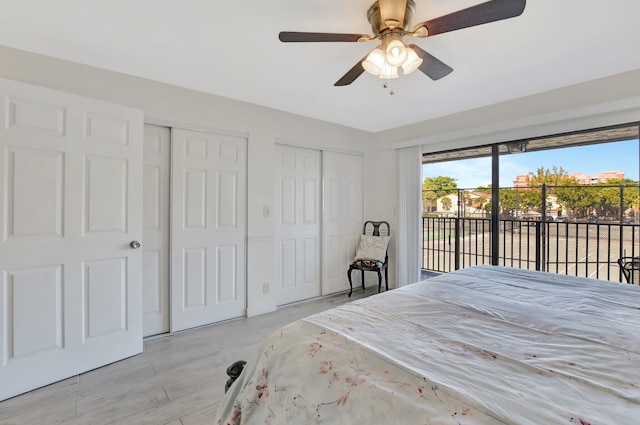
x=630, y=267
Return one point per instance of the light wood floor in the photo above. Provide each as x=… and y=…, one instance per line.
x=178, y=380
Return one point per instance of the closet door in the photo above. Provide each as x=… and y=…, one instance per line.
x=155, y=220
x=208, y=228
x=70, y=213
x=341, y=218
x=297, y=212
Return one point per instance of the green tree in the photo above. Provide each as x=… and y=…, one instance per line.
x=463, y=201
x=631, y=194
x=530, y=200
x=585, y=201
x=608, y=202
x=446, y=203
x=508, y=202
x=515, y=201
x=436, y=187
x=484, y=189
x=576, y=198
x=552, y=178
x=429, y=199
x=556, y=176
x=441, y=185
x=478, y=203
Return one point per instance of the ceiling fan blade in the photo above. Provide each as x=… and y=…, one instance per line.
x=483, y=13
x=392, y=13
x=431, y=66
x=297, y=37
x=352, y=74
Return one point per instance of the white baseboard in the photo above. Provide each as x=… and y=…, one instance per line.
x=262, y=309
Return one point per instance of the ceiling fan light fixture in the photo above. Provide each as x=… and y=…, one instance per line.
x=396, y=53
x=390, y=20
x=374, y=63
x=412, y=63
x=388, y=72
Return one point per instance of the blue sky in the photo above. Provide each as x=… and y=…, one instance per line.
x=471, y=173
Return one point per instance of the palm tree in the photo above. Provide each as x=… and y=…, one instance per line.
x=446, y=203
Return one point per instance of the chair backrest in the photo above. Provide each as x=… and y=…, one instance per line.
x=630, y=267
x=374, y=228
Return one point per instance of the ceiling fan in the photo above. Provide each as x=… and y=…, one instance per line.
x=390, y=20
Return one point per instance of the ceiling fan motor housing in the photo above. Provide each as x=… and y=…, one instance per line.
x=378, y=27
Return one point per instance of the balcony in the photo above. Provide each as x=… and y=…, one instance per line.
x=577, y=244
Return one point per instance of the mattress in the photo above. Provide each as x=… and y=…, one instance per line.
x=482, y=345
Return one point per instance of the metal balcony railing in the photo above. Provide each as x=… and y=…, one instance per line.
x=587, y=249
x=575, y=229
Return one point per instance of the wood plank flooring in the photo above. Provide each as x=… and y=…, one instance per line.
x=178, y=380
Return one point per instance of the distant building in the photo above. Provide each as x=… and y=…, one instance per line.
x=599, y=178
x=471, y=205
x=523, y=180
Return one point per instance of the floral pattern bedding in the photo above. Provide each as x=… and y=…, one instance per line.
x=484, y=345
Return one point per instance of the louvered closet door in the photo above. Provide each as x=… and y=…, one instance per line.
x=297, y=213
x=70, y=204
x=208, y=230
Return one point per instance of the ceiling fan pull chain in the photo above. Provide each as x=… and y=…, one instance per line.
x=387, y=85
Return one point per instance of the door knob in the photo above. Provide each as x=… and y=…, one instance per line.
x=135, y=244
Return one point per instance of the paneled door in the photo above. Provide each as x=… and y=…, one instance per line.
x=70, y=213
x=208, y=228
x=297, y=212
x=341, y=218
x=155, y=220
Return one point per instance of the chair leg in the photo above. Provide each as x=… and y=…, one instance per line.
x=386, y=278
x=350, y=284
x=362, y=279
x=379, y=281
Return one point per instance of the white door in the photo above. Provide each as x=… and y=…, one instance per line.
x=297, y=212
x=208, y=230
x=70, y=205
x=155, y=220
x=341, y=218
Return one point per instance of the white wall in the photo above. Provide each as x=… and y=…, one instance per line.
x=606, y=101
x=381, y=188
x=598, y=103
x=170, y=105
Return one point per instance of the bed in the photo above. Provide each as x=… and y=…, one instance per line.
x=482, y=345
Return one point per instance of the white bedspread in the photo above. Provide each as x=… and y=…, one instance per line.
x=484, y=345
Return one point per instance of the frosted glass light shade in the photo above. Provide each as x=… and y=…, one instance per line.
x=412, y=63
x=389, y=72
x=375, y=62
x=396, y=53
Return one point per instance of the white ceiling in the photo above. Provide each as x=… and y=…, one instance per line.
x=231, y=48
